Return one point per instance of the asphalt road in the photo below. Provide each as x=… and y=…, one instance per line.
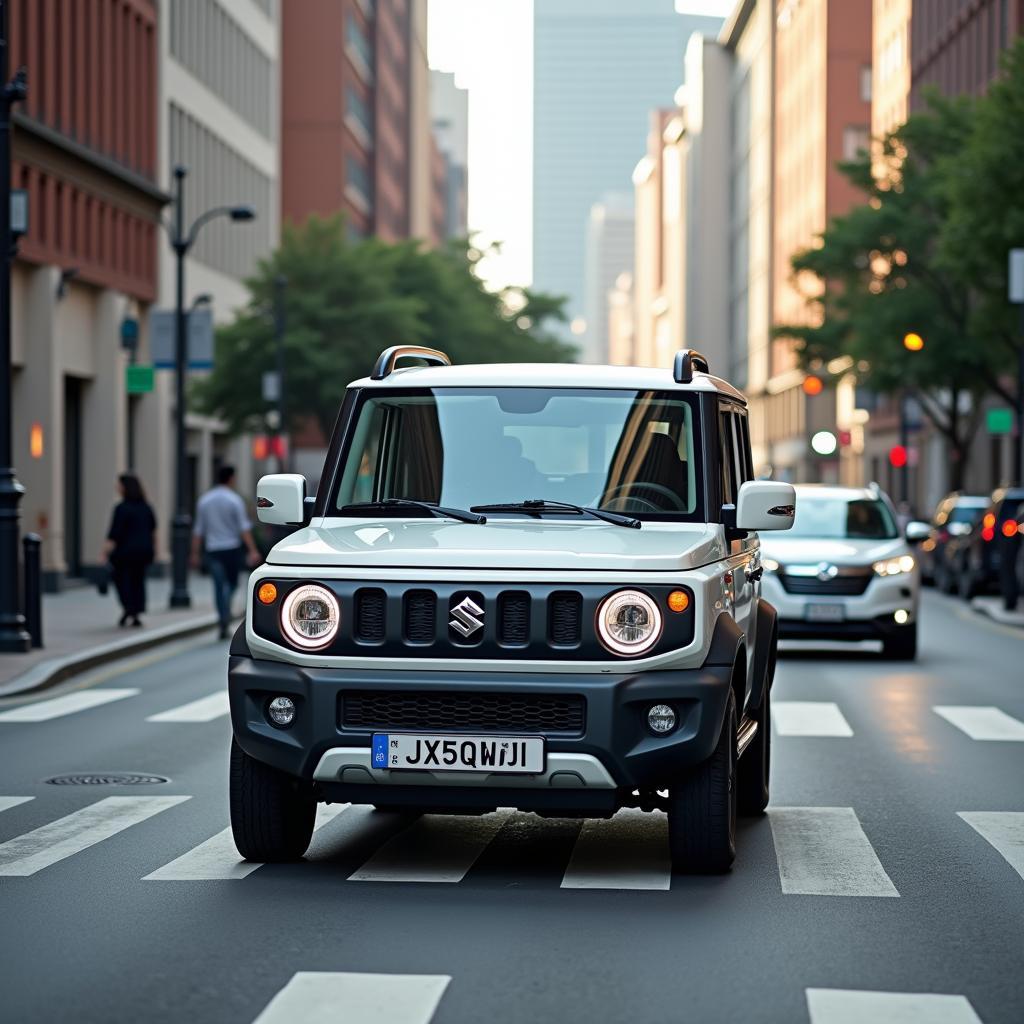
x=880, y=870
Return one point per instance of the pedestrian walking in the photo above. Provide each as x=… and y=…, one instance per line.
x=130, y=546
x=223, y=535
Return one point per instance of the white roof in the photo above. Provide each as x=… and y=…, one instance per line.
x=547, y=375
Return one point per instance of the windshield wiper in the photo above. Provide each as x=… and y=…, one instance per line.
x=441, y=511
x=538, y=506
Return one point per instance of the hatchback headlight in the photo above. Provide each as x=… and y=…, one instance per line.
x=310, y=616
x=629, y=622
x=894, y=566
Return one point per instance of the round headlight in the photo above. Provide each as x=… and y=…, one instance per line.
x=629, y=622
x=310, y=617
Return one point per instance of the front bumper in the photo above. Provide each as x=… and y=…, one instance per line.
x=613, y=751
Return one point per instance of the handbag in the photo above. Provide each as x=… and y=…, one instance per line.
x=103, y=576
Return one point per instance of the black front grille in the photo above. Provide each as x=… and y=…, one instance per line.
x=420, y=616
x=841, y=586
x=514, y=618
x=370, y=604
x=565, y=616
x=508, y=713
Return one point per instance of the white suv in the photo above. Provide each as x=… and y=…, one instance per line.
x=844, y=572
x=527, y=586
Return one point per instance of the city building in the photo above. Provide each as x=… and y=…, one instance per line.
x=449, y=111
x=890, y=65
x=609, y=252
x=86, y=153
x=356, y=134
x=599, y=67
x=621, y=306
x=822, y=115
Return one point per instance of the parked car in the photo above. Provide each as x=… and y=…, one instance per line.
x=980, y=555
x=845, y=571
x=518, y=586
x=955, y=516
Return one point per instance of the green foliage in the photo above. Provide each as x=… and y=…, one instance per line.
x=346, y=300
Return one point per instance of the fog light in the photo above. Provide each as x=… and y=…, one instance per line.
x=902, y=617
x=661, y=719
x=281, y=711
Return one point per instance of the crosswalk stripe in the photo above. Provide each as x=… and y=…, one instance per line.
x=68, y=704
x=316, y=997
x=982, y=723
x=217, y=858
x=434, y=849
x=809, y=718
x=849, y=1006
x=629, y=851
x=75, y=832
x=1002, y=829
x=823, y=851
x=203, y=710
x=7, y=802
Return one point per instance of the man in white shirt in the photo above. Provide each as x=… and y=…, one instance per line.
x=223, y=531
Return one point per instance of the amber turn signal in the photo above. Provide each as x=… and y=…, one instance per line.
x=678, y=600
x=267, y=593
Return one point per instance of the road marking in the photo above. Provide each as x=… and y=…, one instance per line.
x=327, y=997
x=203, y=710
x=437, y=848
x=218, y=859
x=982, y=723
x=847, y=1006
x=7, y=802
x=629, y=851
x=1002, y=829
x=51, y=843
x=44, y=710
x=809, y=718
x=823, y=851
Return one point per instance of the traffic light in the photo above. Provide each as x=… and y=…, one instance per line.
x=812, y=385
x=898, y=456
x=913, y=342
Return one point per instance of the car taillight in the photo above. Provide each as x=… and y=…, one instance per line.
x=988, y=533
x=1010, y=528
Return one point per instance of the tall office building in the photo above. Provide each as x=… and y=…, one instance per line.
x=449, y=113
x=609, y=252
x=599, y=67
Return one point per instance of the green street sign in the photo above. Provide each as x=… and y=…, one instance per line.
x=138, y=380
x=999, y=421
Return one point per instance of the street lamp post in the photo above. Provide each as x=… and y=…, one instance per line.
x=280, y=286
x=182, y=242
x=13, y=636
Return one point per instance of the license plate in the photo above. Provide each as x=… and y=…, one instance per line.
x=509, y=754
x=824, y=613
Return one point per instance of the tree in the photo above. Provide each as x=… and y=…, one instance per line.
x=346, y=300
x=877, y=275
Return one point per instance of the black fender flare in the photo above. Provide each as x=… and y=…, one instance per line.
x=726, y=648
x=764, y=652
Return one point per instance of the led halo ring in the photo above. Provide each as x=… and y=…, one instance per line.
x=305, y=592
x=612, y=603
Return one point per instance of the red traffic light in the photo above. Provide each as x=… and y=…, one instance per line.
x=898, y=456
x=845, y=438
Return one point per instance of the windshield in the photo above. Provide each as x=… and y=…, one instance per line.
x=840, y=518
x=622, y=451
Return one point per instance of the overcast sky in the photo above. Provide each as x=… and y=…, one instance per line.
x=489, y=46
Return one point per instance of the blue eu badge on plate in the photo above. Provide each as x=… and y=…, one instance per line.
x=380, y=751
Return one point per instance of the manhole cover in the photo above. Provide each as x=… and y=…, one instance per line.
x=106, y=779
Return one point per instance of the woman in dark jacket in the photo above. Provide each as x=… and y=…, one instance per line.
x=129, y=547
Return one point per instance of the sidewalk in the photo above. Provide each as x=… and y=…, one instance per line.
x=80, y=631
x=993, y=608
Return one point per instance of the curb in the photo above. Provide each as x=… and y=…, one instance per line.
x=995, y=612
x=56, y=670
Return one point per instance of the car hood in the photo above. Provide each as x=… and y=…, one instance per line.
x=811, y=550
x=532, y=545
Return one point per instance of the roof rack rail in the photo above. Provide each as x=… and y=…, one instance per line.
x=686, y=362
x=389, y=357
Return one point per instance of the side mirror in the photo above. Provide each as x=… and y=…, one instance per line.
x=917, y=531
x=280, y=499
x=765, y=505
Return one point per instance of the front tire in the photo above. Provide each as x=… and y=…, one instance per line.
x=901, y=646
x=272, y=814
x=753, y=773
x=702, y=808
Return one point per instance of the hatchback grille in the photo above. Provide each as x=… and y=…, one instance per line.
x=564, y=618
x=514, y=618
x=420, y=616
x=509, y=713
x=370, y=605
x=841, y=586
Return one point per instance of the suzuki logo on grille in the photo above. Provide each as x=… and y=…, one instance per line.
x=467, y=617
x=827, y=572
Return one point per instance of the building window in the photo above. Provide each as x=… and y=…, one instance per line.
x=359, y=115
x=865, y=83
x=856, y=139
x=358, y=46
x=357, y=184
